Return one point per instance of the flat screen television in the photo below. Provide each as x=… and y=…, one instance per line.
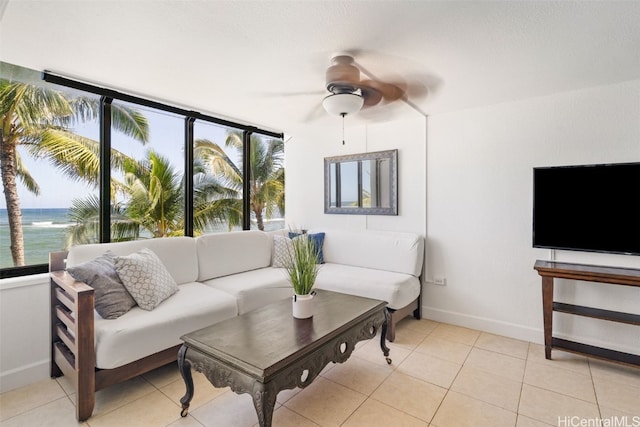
x=593, y=208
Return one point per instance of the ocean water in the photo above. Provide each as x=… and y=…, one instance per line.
x=44, y=231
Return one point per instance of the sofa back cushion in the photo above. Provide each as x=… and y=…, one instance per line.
x=222, y=254
x=381, y=250
x=178, y=254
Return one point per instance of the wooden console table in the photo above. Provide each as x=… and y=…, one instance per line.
x=549, y=270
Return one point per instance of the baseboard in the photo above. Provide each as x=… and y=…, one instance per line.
x=493, y=326
x=24, y=375
x=513, y=330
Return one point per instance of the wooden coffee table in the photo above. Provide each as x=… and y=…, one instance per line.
x=268, y=350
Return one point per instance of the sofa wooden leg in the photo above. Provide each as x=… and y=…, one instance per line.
x=391, y=326
x=85, y=401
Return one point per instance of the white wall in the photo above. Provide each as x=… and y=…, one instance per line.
x=479, y=211
x=309, y=145
x=24, y=330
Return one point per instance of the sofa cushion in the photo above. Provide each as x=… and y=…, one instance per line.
x=397, y=289
x=140, y=333
x=111, y=298
x=221, y=254
x=178, y=254
x=382, y=250
x=254, y=288
x=146, y=278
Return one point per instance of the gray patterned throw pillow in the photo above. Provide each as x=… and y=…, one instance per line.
x=146, y=278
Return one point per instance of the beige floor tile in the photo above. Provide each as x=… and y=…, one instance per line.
x=118, y=395
x=164, y=375
x=58, y=413
x=423, y=326
x=228, y=409
x=284, y=417
x=371, y=351
x=549, y=407
x=66, y=385
x=620, y=418
x=285, y=395
x=615, y=372
x=359, y=375
x=431, y=369
x=411, y=395
x=458, y=410
x=407, y=338
x=490, y=381
x=618, y=396
x=496, y=363
x=373, y=413
x=444, y=349
x=203, y=391
x=490, y=388
x=529, y=422
x=550, y=377
x=325, y=402
x=560, y=359
x=23, y=399
x=187, y=421
x=503, y=345
x=138, y=414
x=455, y=333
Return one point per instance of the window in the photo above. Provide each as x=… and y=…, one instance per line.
x=165, y=171
x=49, y=155
x=217, y=178
x=266, y=183
x=147, y=174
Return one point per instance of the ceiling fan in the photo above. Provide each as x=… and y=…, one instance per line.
x=349, y=93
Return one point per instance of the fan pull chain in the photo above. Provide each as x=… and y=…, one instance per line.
x=343, y=114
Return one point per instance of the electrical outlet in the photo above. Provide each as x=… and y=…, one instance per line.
x=441, y=281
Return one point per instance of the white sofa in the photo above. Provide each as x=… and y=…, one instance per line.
x=219, y=276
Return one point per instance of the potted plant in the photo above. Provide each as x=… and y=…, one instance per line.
x=302, y=269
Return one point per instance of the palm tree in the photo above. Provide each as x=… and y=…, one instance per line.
x=39, y=118
x=154, y=201
x=266, y=172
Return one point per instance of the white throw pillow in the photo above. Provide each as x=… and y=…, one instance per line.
x=282, y=247
x=146, y=278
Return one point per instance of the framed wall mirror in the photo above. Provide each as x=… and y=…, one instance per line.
x=362, y=184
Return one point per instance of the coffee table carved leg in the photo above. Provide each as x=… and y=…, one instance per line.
x=383, y=337
x=264, y=401
x=185, y=370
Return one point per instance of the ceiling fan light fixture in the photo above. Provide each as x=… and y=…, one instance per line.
x=343, y=103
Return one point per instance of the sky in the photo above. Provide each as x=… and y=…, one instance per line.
x=166, y=136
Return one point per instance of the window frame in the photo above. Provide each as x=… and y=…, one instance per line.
x=107, y=96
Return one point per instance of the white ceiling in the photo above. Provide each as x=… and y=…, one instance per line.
x=264, y=62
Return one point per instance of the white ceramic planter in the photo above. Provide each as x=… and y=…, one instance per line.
x=303, y=306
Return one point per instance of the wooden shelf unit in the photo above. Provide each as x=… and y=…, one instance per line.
x=549, y=270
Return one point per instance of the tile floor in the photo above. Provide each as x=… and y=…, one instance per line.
x=441, y=376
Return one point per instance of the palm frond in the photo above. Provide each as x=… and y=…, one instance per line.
x=25, y=176
x=130, y=121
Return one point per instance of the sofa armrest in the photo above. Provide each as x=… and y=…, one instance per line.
x=72, y=334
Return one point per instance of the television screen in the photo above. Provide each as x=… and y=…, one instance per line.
x=593, y=208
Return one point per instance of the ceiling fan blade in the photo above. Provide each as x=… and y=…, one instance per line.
x=315, y=113
x=389, y=91
x=371, y=96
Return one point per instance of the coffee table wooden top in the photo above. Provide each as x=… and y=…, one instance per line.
x=265, y=340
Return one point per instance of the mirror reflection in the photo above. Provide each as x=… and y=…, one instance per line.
x=363, y=184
